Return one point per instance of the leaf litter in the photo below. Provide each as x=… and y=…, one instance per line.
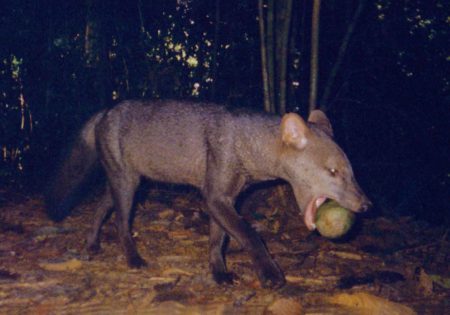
x=386, y=266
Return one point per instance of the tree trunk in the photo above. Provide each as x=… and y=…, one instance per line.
x=314, y=74
x=283, y=26
x=274, y=36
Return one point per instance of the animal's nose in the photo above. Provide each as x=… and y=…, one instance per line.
x=365, y=206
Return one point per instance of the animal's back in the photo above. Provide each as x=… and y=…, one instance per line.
x=163, y=140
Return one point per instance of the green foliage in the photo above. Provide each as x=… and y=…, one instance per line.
x=15, y=67
x=420, y=29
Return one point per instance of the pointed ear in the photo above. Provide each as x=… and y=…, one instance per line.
x=321, y=120
x=294, y=131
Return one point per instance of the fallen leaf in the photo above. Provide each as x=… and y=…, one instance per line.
x=443, y=282
x=157, y=228
x=426, y=283
x=176, y=271
x=68, y=265
x=180, y=234
x=367, y=304
x=166, y=214
x=316, y=281
x=51, y=230
x=345, y=255
x=162, y=279
x=276, y=226
x=284, y=306
x=174, y=258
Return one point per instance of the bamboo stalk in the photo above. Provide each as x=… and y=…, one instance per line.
x=262, y=35
x=314, y=74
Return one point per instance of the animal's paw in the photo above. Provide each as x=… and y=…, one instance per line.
x=136, y=262
x=223, y=277
x=271, y=276
x=93, y=249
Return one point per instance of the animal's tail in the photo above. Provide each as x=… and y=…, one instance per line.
x=80, y=162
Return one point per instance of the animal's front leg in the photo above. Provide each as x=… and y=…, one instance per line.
x=269, y=274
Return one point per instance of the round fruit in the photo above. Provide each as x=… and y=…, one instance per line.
x=332, y=220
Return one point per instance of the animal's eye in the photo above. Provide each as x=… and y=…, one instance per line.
x=333, y=172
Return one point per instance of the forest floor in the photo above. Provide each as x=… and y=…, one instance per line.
x=385, y=266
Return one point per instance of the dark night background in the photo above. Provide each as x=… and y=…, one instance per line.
x=61, y=61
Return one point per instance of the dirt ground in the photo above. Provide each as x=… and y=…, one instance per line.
x=385, y=266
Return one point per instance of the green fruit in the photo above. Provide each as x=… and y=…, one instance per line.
x=332, y=220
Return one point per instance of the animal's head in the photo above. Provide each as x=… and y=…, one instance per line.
x=316, y=167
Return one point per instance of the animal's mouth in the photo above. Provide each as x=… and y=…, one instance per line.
x=311, y=210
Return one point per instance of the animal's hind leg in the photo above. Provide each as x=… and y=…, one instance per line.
x=103, y=208
x=123, y=188
x=217, y=248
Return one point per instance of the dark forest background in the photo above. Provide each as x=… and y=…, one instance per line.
x=383, y=79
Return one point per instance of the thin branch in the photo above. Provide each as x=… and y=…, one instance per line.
x=215, y=50
x=141, y=19
x=265, y=78
x=270, y=47
x=341, y=54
